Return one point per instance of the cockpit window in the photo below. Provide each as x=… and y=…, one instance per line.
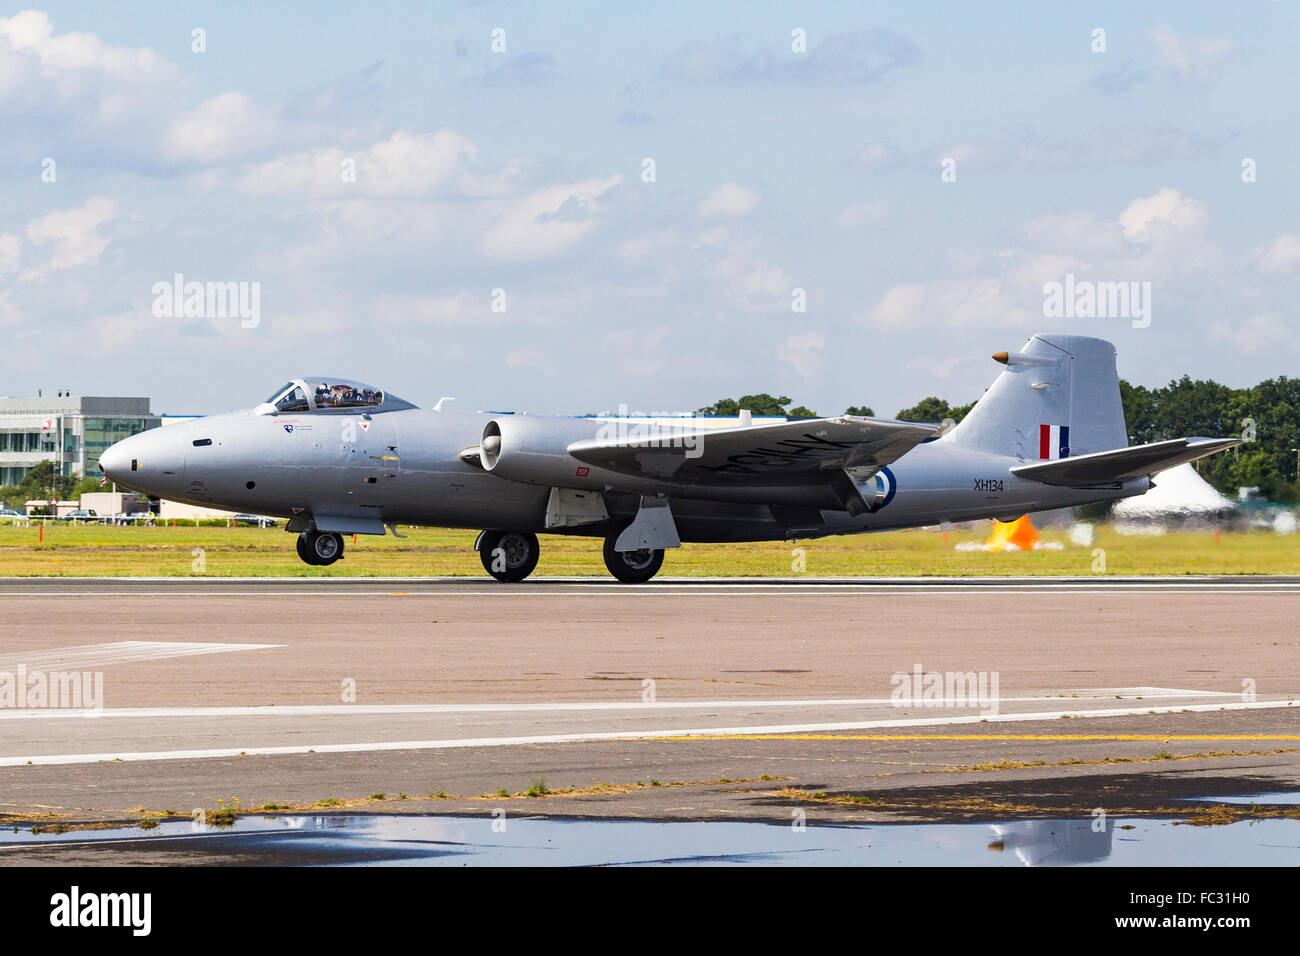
x=344, y=394
x=319, y=393
x=279, y=391
x=294, y=400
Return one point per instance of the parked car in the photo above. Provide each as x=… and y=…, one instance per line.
x=80, y=514
x=8, y=514
x=121, y=517
x=257, y=521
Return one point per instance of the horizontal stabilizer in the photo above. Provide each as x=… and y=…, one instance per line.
x=1113, y=467
x=803, y=450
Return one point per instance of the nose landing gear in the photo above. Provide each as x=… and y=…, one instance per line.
x=320, y=547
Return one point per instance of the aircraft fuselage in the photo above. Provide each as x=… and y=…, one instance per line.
x=405, y=467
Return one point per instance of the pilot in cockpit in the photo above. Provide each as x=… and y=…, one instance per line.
x=337, y=394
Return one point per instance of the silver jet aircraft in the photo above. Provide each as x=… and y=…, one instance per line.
x=336, y=457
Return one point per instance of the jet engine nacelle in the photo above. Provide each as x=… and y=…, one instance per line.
x=534, y=450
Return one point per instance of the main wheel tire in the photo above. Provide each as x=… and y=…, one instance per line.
x=509, y=555
x=632, y=567
x=320, y=547
x=303, y=551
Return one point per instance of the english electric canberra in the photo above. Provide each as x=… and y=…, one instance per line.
x=337, y=457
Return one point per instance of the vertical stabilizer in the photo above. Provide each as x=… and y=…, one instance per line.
x=1058, y=397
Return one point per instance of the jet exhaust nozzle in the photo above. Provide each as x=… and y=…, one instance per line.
x=490, y=446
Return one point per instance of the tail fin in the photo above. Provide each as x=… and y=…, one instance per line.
x=1059, y=397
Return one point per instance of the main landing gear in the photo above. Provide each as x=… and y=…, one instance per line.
x=512, y=556
x=320, y=547
x=508, y=555
x=632, y=567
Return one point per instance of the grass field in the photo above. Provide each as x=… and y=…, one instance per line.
x=255, y=552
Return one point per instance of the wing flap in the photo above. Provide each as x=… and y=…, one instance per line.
x=805, y=450
x=1121, y=464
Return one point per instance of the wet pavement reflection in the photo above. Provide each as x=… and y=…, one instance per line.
x=502, y=840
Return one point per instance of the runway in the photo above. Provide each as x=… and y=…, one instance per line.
x=289, y=692
x=662, y=585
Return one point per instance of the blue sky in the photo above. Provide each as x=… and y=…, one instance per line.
x=521, y=170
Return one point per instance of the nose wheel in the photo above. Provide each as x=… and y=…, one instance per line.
x=509, y=555
x=320, y=547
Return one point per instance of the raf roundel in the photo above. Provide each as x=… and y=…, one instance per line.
x=886, y=486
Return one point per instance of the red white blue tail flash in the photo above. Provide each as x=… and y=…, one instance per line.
x=1053, y=441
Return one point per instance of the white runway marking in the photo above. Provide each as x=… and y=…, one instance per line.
x=345, y=710
x=451, y=743
x=92, y=656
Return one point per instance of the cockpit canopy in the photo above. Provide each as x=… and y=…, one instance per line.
x=321, y=393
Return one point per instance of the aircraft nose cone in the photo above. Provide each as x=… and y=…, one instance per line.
x=113, y=462
x=152, y=462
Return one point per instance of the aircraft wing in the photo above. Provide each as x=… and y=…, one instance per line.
x=1113, y=467
x=809, y=450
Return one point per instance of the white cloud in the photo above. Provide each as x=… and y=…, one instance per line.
x=855, y=214
x=74, y=233
x=803, y=352
x=974, y=302
x=746, y=282
x=636, y=250
x=405, y=164
x=120, y=106
x=765, y=281
x=17, y=324
x=77, y=71
x=1190, y=57
x=72, y=92
x=1077, y=232
x=459, y=308
x=1156, y=237
x=225, y=127
x=711, y=237
x=1027, y=148
x=10, y=250
x=843, y=59
x=1167, y=211
x=545, y=222
x=871, y=156
x=1264, y=331
x=307, y=323
x=517, y=358
x=941, y=368
x=1032, y=270
x=1283, y=255
x=530, y=70
x=730, y=200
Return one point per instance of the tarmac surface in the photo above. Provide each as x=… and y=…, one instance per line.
x=682, y=699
